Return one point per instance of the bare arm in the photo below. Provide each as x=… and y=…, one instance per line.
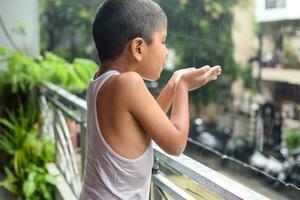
x=150, y=115
x=190, y=80
x=180, y=113
x=165, y=98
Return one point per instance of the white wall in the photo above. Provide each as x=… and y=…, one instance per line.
x=243, y=35
x=21, y=14
x=290, y=12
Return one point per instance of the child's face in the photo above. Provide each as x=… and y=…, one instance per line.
x=155, y=58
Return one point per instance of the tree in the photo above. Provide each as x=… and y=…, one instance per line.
x=66, y=27
x=198, y=30
x=200, y=33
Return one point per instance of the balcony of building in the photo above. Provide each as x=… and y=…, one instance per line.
x=276, y=10
x=172, y=177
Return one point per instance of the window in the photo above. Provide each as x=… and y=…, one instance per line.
x=271, y=4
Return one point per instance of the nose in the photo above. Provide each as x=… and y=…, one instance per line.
x=167, y=52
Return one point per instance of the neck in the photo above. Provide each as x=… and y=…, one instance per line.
x=121, y=65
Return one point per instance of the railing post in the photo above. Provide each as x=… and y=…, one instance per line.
x=82, y=136
x=157, y=193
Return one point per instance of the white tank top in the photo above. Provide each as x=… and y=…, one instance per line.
x=108, y=175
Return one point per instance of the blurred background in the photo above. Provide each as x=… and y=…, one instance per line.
x=245, y=125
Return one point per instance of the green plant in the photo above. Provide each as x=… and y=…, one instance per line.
x=26, y=155
x=70, y=19
x=24, y=152
x=246, y=75
x=25, y=74
x=292, y=138
x=61, y=72
x=291, y=58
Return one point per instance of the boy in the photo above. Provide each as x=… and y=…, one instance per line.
x=123, y=118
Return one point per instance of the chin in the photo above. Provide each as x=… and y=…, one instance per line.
x=157, y=77
x=152, y=78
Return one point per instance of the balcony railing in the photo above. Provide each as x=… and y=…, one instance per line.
x=290, y=76
x=59, y=107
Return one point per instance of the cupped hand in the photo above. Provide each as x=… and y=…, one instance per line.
x=195, y=78
x=178, y=73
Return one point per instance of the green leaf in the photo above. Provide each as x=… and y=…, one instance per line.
x=9, y=184
x=48, y=151
x=50, y=179
x=31, y=176
x=46, y=192
x=6, y=145
x=8, y=171
x=29, y=188
x=18, y=160
x=7, y=123
x=12, y=188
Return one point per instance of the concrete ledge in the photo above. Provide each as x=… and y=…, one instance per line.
x=281, y=75
x=208, y=178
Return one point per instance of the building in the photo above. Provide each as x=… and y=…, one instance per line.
x=19, y=26
x=279, y=22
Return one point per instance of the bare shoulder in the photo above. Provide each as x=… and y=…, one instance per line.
x=129, y=89
x=130, y=84
x=129, y=79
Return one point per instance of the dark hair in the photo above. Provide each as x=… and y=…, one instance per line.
x=119, y=21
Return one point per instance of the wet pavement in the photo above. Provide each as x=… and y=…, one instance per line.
x=247, y=178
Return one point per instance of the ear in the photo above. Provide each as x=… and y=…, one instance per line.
x=137, y=48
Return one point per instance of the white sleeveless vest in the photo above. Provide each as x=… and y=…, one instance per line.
x=107, y=175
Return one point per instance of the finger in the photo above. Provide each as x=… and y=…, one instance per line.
x=181, y=71
x=216, y=70
x=203, y=69
x=210, y=73
x=190, y=68
x=212, y=78
x=198, y=72
x=215, y=77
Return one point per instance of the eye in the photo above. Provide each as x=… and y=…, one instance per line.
x=164, y=40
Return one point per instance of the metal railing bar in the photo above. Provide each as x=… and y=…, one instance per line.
x=69, y=112
x=212, y=180
x=72, y=99
x=72, y=178
x=67, y=136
